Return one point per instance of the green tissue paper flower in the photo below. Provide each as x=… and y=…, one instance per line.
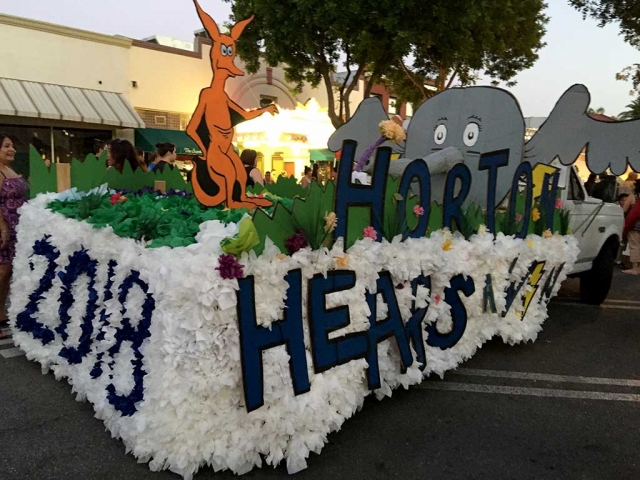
x=244, y=240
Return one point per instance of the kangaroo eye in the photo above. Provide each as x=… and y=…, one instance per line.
x=223, y=50
x=230, y=50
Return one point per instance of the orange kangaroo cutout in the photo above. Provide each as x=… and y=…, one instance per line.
x=219, y=176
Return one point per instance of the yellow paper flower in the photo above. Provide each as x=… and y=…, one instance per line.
x=547, y=234
x=530, y=243
x=535, y=214
x=393, y=131
x=342, y=262
x=447, y=245
x=330, y=222
x=281, y=256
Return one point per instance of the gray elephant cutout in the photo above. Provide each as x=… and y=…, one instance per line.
x=569, y=130
x=462, y=124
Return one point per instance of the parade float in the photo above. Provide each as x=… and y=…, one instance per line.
x=237, y=327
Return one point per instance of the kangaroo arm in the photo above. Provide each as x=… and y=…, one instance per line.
x=247, y=115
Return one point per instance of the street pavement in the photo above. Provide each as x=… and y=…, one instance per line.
x=564, y=407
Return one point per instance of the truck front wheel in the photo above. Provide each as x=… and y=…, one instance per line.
x=596, y=283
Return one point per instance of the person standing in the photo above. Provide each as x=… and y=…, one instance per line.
x=248, y=158
x=141, y=162
x=165, y=155
x=267, y=178
x=631, y=233
x=306, y=179
x=13, y=194
x=315, y=173
x=119, y=152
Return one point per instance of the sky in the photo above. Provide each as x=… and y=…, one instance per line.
x=577, y=50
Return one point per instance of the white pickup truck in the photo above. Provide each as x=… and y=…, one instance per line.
x=597, y=226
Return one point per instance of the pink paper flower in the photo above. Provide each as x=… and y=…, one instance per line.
x=437, y=298
x=370, y=232
x=518, y=217
x=558, y=203
x=418, y=211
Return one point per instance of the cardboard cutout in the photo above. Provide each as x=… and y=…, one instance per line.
x=364, y=128
x=569, y=129
x=483, y=127
x=220, y=177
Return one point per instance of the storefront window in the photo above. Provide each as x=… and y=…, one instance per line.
x=76, y=143
x=39, y=137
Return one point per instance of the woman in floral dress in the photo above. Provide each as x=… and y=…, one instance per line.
x=13, y=194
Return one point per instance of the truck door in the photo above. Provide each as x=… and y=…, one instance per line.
x=583, y=210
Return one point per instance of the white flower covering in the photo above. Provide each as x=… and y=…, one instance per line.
x=193, y=410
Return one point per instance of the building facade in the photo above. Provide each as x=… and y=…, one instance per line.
x=63, y=90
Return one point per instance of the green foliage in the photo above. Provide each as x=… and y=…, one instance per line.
x=448, y=40
x=622, y=12
x=632, y=112
x=626, y=15
x=283, y=188
x=435, y=218
x=392, y=223
x=42, y=179
x=472, y=218
x=172, y=221
x=278, y=226
x=90, y=203
x=314, y=39
x=309, y=213
x=452, y=42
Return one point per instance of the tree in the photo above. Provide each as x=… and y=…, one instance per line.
x=453, y=41
x=599, y=111
x=632, y=112
x=313, y=39
x=627, y=14
x=449, y=41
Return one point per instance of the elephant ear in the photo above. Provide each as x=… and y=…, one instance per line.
x=569, y=129
x=364, y=128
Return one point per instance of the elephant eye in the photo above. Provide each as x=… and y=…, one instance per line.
x=471, y=133
x=440, y=134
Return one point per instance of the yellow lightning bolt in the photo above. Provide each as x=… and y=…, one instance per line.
x=534, y=280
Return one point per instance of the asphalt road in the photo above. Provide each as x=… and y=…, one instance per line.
x=564, y=407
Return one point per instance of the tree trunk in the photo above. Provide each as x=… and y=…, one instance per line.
x=331, y=103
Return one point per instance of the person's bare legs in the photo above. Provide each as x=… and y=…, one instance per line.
x=5, y=279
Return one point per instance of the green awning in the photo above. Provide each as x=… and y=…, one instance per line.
x=146, y=139
x=321, y=155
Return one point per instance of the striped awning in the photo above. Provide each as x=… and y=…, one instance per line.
x=59, y=102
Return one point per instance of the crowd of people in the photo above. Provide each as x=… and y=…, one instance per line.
x=255, y=176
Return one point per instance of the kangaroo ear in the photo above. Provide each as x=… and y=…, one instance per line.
x=239, y=27
x=207, y=22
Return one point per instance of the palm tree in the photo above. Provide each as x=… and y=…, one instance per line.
x=599, y=111
x=632, y=112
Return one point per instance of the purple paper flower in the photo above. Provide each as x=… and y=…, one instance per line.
x=229, y=267
x=296, y=242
